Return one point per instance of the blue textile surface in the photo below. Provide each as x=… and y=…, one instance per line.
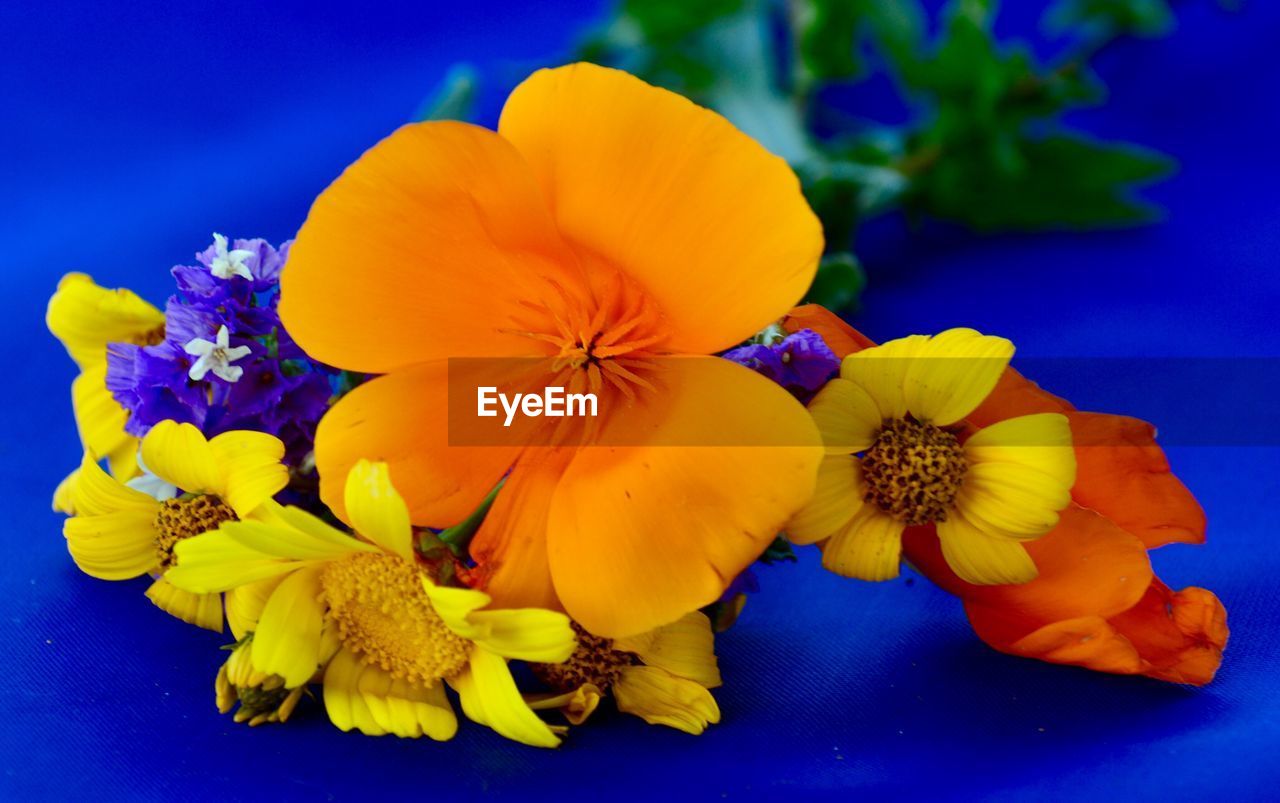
x=134, y=130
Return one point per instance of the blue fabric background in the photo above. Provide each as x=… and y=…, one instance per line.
x=134, y=130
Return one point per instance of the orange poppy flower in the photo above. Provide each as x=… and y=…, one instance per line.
x=606, y=226
x=1096, y=602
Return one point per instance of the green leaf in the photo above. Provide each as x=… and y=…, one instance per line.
x=664, y=21
x=1064, y=181
x=454, y=99
x=987, y=146
x=747, y=91
x=831, y=35
x=839, y=282
x=779, y=551
x=724, y=613
x=458, y=537
x=1103, y=19
x=829, y=38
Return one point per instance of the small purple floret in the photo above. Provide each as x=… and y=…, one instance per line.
x=801, y=362
x=281, y=392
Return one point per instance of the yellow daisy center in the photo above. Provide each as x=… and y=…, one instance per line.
x=384, y=615
x=593, y=661
x=913, y=471
x=151, y=337
x=183, y=518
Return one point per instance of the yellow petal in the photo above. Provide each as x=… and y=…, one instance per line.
x=99, y=417
x=576, y=705
x=287, y=642
x=376, y=511
x=526, y=634
x=113, y=546
x=86, y=317
x=201, y=610
x=455, y=607
x=123, y=460
x=983, y=559
x=1041, y=442
x=685, y=648
x=179, y=454
x=837, y=497
x=881, y=372
x=1006, y=499
x=868, y=548
x=310, y=529
x=952, y=373
x=215, y=561
x=95, y=492
x=290, y=543
x=366, y=698
x=251, y=467
x=64, y=495
x=342, y=699
x=847, y=417
x=660, y=698
x=489, y=696
x=244, y=605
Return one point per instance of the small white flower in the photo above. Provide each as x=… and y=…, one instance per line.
x=216, y=357
x=228, y=263
x=151, y=485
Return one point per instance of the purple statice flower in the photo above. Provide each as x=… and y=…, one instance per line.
x=226, y=361
x=801, y=362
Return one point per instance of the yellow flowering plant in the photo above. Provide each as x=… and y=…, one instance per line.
x=279, y=450
x=86, y=317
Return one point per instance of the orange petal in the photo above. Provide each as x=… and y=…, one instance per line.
x=510, y=548
x=1015, y=395
x=1180, y=636
x=430, y=240
x=1095, y=604
x=1125, y=476
x=642, y=180
x=1089, y=641
x=402, y=420
x=640, y=535
x=839, y=336
x=1088, y=567
x=1175, y=637
x=1121, y=472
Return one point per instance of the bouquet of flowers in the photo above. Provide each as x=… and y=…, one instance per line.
x=517, y=412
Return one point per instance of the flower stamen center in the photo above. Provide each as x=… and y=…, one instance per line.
x=152, y=337
x=383, y=615
x=914, y=470
x=603, y=343
x=593, y=661
x=179, y=519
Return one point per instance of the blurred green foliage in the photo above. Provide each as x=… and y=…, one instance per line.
x=454, y=99
x=986, y=147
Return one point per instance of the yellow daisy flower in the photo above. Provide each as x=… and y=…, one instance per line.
x=365, y=607
x=662, y=676
x=86, y=317
x=899, y=455
x=118, y=533
x=262, y=697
